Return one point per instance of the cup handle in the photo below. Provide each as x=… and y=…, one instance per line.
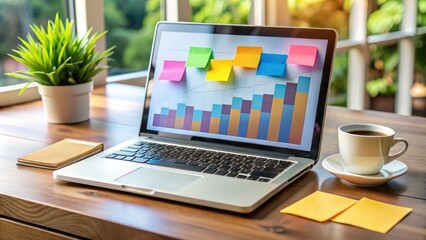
x=398, y=154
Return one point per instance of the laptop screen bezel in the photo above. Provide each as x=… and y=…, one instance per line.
x=290, y=32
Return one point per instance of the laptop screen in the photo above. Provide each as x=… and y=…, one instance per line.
x=263, y=87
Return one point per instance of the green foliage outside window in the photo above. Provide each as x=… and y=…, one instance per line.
x=384, y=60
x=133, y=36
x=15, y=18
x=220, y=11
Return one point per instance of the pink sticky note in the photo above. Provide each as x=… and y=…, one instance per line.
x=302, y=55
x=172, y=70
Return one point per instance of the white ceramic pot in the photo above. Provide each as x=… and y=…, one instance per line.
x=66, y=104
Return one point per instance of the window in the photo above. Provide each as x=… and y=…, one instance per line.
x=330, y=14
x=221, y=11
x=15, y=17
x=130, y=26
x=379, y=40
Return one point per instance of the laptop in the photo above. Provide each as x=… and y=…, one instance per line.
x=232, y=115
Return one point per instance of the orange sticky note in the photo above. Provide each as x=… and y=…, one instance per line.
x=302, y=55
x=220, y=70
x=319, y=206
x=247, y=56
x=373, y=215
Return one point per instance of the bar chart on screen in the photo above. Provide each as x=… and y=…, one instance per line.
x=247, y=89
x=277, y=115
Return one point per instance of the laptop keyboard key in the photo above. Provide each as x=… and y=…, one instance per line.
x=252, y=177
x=264, y=179
x=123, y=153
x=257, y=168
x=263, y=174
x=284, y=164
x=270, y=169
x=129, y=149
x=232, y=174
x=157, y=158
x=167, y=159
x=242, y=176
x=181, y=161
x=140, y=160
x=175, y=165
x=244, y=171
x=221, y=172
x=210, y=170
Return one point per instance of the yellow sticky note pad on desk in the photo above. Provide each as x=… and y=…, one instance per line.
x=373, y=215
x=319, y=206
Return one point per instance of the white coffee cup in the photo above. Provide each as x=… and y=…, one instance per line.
x=365, y=148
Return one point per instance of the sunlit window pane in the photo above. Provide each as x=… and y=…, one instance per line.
x=15, y=18
x=130, y=26
x=382, y=77
x=220, y=11
x=339, y=80
x=321, y=13
x=384, y=16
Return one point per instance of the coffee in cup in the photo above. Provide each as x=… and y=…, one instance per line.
x=365, y=148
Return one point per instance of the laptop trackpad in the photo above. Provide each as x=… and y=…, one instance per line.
x=157, y=179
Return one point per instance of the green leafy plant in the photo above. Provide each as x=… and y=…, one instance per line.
x=55, y=57
x=380, y=86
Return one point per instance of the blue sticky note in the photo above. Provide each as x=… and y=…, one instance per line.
x=272, y=65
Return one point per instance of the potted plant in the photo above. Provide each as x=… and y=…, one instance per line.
x=63, y=65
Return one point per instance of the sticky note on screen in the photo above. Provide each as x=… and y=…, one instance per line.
x=319, y=206
x=247, y=56
x=302, y=55
x=272, y=65
x=198, y=57
x=172, y=70
x=220, y=70
x=372, y=215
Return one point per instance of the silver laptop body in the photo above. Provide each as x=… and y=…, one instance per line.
x=288, y=131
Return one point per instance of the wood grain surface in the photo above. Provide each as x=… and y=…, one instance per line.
x=31, y=195
x=11, y=230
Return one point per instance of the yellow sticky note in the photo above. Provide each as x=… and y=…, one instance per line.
x=319, y=206
x=373, y=215
x=220, y=70
x=247, y=56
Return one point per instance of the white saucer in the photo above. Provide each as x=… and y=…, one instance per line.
x=334, y=165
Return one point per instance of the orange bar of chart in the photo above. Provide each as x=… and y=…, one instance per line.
x=253, y=125
x=275, y=121
x=196, y=126
x=298, y=118
x=214, y=125
x=179, y=122
x=235, y=115
x=234, y=121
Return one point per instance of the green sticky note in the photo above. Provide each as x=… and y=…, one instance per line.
x=198, y=57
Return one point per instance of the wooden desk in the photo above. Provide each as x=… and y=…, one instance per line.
x=33, y=202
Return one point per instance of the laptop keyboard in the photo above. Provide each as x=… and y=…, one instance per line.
x=206, y=161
